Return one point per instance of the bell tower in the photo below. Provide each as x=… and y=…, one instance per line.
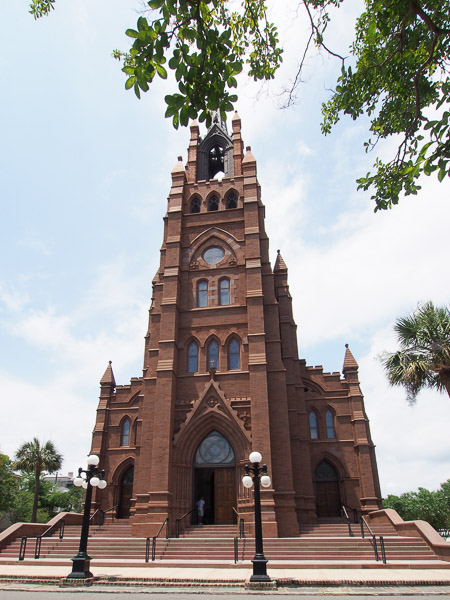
x=221, y=373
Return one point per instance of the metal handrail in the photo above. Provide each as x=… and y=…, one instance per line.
x=363, y=522
x=178, y=521
x=374, y=541
x=240, y=523
x=37, y=548
x=23, y=547
x=154, y=538
x=354, y=511
x=344, y=515
x=383, y=549
x=103, y=513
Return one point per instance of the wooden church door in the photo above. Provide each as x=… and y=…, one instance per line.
x=215, y=478
x=326, y=483
x=224, y=495
x=125, y=494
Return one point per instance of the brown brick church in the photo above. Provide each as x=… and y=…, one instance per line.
x=221, y=373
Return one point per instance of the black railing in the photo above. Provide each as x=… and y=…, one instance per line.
x=102, y=514
x=351, y=511
x=345, y=517
x=23, y=547
x=37, y=548
x=383, y=550
x=154, y=538
x=178, y=521
x=240, y=523
x=236, y=549
x=373, y=541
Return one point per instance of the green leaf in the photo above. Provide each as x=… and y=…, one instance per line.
x=161, y=71
x=131, y=33
x=130, y=82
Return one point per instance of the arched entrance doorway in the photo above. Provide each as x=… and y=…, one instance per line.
x=326, y=483
x=125, y=493
x=215, y=479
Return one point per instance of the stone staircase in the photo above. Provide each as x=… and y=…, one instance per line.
x=325, y=545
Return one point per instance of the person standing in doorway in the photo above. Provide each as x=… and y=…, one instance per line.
x=201, y=510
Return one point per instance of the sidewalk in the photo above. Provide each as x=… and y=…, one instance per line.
x=221, y=577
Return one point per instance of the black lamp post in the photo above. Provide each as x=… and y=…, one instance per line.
x=259, y=477
x=81, y=562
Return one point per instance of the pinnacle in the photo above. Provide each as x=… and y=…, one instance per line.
x=280, y=265
x=349, y=360
x=108, y=376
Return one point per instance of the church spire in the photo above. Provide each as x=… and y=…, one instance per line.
x=217, y=120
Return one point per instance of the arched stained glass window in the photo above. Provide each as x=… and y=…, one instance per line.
x=329, y=421
x=214, y=450
x=213, y=203
x=202, y=293
x=126, y=433
x=313, y=429
x=325, y=472
x=224, y=291
x=233, y=354
x=213, y=355
x=232, y=200
x=192, y=358
x=195, y=204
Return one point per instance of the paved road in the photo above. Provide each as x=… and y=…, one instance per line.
x=36, y=592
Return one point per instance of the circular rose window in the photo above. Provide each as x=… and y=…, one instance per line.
x=213, y=255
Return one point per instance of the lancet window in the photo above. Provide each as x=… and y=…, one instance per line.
x=213, y=355
x=313, y=429
x=192, y=357
x=234, y=354
x=202, y=293
x=329, y=421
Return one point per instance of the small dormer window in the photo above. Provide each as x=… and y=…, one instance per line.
x=216, y=160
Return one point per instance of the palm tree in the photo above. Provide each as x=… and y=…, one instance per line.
x=424, y=356
x=31, y=457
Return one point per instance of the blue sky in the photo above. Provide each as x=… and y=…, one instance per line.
x=85, y=176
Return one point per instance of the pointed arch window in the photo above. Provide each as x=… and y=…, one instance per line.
x=192, y=358
x=234, y=354
x=195, y=205
x=213, y=203
x=125, y=438
x=202, y=293
x=232, y=200
x=213, y=355
x=216, y=162
x=224, y=291
x=329, y=421
x=313, y=429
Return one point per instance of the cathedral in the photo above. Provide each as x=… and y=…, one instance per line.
x=221, y=373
